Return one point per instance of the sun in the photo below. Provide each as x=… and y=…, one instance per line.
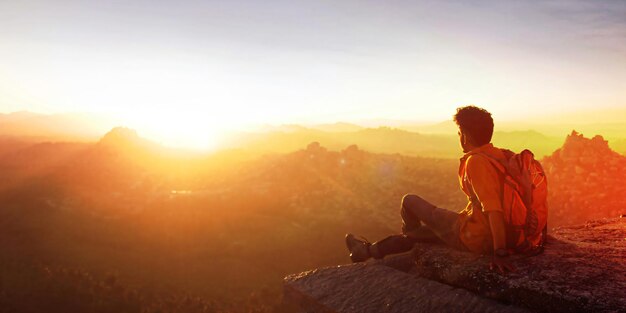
x=197, y=130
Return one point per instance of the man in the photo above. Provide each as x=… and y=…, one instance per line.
x=479, y=228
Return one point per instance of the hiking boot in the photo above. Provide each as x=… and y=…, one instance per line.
x=359, y=249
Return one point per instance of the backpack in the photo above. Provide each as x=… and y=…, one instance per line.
x=524, y=200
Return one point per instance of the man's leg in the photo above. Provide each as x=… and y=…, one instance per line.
x=401, y=243
x=443, y=223
x=421, y=222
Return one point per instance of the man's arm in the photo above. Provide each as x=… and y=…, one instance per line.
x=486, y=184
x=498, y=232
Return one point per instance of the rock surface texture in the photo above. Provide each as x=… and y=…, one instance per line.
x=583, y=269
x=374, y=287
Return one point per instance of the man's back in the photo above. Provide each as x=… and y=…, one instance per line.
x=482, y=184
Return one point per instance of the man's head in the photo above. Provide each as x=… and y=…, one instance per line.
x=475, y=126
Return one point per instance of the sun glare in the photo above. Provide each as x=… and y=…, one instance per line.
x=179, y=129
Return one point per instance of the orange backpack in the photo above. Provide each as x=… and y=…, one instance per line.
x=524, y=200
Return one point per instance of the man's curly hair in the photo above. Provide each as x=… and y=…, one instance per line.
x=476, y=123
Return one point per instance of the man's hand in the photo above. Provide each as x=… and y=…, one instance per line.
x=501, y=265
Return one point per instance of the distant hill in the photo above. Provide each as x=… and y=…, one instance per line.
x=9, y=144
x=126, y=141
x=121, y=162
x=544, y=135
x=55, y=127
x=540, y=144
x=23, y=162
x=419, y=139
x=377, y=140
x=390, y=140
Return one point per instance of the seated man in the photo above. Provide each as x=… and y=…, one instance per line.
x=479, y=228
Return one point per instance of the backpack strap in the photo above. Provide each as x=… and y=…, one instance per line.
x=496, y=163
x=501, y=167
x=512, y=231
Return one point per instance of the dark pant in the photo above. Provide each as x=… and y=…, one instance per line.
x=421, y=222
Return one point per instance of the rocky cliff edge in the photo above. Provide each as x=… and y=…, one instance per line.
x=583, y=269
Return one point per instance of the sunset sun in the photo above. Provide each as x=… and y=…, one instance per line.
x=202, y=129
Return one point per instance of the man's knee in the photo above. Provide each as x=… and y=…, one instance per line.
x=414, y=205
x=408, y=198
x=411, y=200
x=407, y=210
x=405, y=200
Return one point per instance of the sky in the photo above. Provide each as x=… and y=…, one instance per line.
x=185, y=71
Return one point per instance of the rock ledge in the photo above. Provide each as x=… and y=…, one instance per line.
x=582, y=270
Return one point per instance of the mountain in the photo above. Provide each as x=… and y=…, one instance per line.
x=544, y=135
x=540, y=144
x=23, y=162
x=390, y=140
x=126, y=141
x=9, y=144
x=377, y=140
x=53, y=127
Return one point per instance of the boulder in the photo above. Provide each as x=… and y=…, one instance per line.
x=583, y=269
x=376, y=288
x=588, y=175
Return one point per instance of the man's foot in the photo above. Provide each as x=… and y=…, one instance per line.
x=359, y=249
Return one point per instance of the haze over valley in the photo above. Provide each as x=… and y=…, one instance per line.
x=205, y=230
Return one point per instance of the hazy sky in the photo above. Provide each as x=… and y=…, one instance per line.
x=182, y=67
